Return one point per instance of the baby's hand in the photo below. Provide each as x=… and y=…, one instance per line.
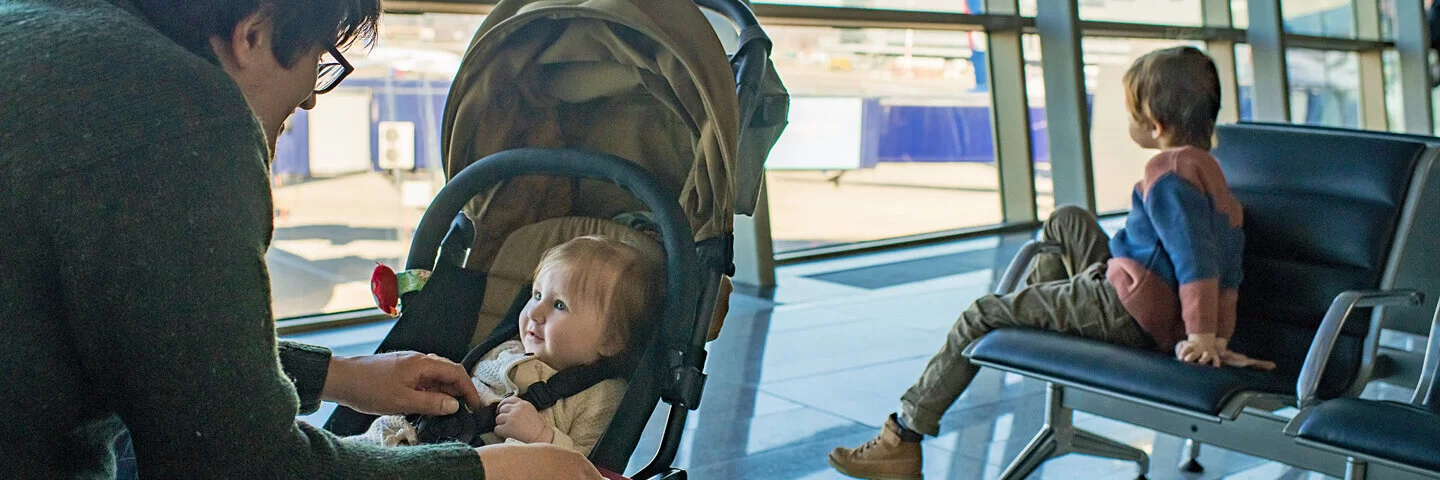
x=516, y=418
x=1202, y=349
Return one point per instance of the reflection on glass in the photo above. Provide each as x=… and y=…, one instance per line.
x=1394, y=104
x=1324, y=86
x=889, y=136
x=1161, y=12
x=1326, y=18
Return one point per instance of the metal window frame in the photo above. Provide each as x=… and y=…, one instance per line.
x=1371, y=67
x=1412, y=41
x=1270, y=96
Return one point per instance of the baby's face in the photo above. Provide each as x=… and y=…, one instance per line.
x=561, y=327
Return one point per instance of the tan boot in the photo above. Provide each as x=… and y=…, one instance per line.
x=885, y=457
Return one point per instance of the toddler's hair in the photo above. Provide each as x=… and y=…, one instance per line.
x=1178, y=88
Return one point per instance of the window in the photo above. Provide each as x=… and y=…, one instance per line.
x=1324, y=86
x=1162, y=12
x=353, y=176
x=1324, y=18
x=889, y=136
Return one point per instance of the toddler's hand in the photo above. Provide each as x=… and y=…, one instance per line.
x=516, y=418
x=1202, y=349
x=1237, y=359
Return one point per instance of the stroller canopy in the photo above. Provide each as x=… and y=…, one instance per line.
x=644, y=80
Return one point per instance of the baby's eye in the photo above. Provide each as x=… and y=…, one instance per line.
x=560, y=305
x=535, y=295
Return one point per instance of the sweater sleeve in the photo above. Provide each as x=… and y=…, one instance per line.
x=161, y=256
x=307, y=366
x=1183, y=217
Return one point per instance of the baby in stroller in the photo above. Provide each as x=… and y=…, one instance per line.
x=590, y=301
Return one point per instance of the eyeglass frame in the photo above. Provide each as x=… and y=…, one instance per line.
x=346, y=67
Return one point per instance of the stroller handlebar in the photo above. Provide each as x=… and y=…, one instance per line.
x=735, y=10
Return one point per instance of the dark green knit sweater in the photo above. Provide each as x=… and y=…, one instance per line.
x=136, y=213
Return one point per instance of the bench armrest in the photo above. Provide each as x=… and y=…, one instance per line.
x=1426, y=391
x=1330, y=328
x=1021, y=264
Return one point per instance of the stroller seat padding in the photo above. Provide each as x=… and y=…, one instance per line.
x=514, y=265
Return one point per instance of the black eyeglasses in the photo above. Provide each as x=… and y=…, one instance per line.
x=330, y=74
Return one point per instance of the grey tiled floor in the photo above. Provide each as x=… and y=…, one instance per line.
x=819, y=364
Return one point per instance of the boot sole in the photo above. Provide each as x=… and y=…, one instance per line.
x=847, y=473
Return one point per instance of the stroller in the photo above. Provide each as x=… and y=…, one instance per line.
x=579, y=112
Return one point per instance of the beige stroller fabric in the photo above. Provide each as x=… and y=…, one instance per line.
x=644, y=80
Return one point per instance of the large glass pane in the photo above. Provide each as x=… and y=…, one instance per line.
x=1163, y=12
x=1329, y=18
x=1040, y=130
x=1387, y=17
x=1324, y=86
x=353, y=176
x=1394, y=105
x=889, y=136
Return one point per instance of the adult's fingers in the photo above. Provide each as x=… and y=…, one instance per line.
x=431, y=402
x=446, y=376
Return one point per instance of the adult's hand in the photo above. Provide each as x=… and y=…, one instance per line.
x=537, y=461
x=399, y=383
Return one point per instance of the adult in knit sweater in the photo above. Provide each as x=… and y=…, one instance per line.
x=135, y=137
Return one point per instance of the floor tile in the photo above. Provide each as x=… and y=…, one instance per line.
x=789, y=318
x=877, y=393
x=792, y=289
x=931, y=312
x=809, y=461
x=1276, y=471
x=799, y=354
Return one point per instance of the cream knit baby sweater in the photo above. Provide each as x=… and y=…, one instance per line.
x=577, y=421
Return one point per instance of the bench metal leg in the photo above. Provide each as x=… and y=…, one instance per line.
x=1354, y=469
x=1041, y=448
x=1087, y=443
x=1060, y=437
x=1191, y=462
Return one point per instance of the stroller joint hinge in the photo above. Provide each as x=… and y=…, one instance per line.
x=689, y=386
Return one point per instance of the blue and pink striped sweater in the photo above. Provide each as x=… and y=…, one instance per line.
x=1176, y=264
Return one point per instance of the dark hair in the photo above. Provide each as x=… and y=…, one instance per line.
x=300, y=25
x=1178, y=88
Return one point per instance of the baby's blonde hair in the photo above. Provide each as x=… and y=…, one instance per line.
x=626, y=288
